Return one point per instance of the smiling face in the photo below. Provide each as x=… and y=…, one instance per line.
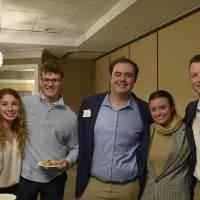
x=194, y=73
x=9, y=108
x=122, y=79
x=161, y=110
x=51, y=85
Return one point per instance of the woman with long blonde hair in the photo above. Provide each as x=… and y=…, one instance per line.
x=13, y=134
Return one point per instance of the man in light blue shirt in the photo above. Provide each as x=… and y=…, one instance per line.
x=118, y=132
x=52, y=128
x=113, y=130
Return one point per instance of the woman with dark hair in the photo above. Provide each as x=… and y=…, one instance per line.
x=168, y=175
x=13, y=134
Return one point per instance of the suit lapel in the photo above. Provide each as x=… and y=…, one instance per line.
x=95, y=105
x=190, y=115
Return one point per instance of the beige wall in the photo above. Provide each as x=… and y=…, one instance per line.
x=163, y=59
x=119, y=53
x=144, y=53
x=177, y=44
x=102, y=75
x=78, y=82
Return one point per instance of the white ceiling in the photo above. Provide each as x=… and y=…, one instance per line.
x=86, y=28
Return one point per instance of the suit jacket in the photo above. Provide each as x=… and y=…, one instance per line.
x=174, y=181
x=190, y=114
x=91, y=105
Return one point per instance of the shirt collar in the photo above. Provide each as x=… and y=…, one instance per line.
x=198, y=106
x=130, y=103
x=59, y=102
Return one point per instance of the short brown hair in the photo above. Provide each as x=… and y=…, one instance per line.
x=52, y=66
x=194, y=59
x=124, y=60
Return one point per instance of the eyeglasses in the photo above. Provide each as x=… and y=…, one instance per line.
x=53, y=81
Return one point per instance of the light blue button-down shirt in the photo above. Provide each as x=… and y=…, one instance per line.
x=116, y=138
x=52, y=136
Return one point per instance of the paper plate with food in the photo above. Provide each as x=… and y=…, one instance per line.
x=49, y=163
x=7, y=197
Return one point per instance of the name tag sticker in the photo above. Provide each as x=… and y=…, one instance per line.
x=87, y=113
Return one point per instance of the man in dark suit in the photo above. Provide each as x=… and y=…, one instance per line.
x=113, y=137
x=192, y=120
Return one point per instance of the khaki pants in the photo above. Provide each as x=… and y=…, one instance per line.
x=197, y=191
x=97, y=190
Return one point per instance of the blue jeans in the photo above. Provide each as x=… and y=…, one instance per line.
x=54, y=190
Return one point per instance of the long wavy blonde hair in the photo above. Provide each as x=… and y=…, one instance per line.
x=19, y=125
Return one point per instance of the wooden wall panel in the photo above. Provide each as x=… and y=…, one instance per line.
x=123, y=52
x=78, y=82
x=144, y=53
x=177, y=44
x=102, y=75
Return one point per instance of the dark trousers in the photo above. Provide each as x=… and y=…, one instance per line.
x=11, y=190
x=54, y=190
